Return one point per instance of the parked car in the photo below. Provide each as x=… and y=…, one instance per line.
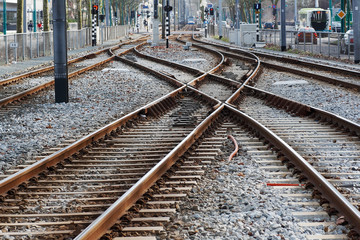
x=268, y=25
x=336, y=26
x=347, y=42
x=225, y=24
x=306, y=35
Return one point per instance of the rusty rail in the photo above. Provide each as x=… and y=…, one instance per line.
x=43, y=86
x=336, y=199
x=119, y=208
x=29, y=172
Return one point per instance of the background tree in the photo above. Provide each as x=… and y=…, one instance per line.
x=79, y=14
x=19, y=20
x=46, y=25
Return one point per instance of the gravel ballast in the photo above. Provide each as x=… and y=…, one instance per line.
x=337, y=100
x=230, y=202
x=96, y=98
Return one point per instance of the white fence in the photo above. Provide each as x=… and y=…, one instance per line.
x=24, y=46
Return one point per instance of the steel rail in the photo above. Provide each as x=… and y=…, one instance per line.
x=169, y=79
x=98, y=227
x=50, y=68
x=320, y=77
x=224, y=80
x=45, y=85
x=112, y=213
x=336, y=199
x=305, y=110
x=309, y=64
x=32, y=170
x=323, y=78
x=162, y=61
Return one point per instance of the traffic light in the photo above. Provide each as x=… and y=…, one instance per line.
x=94, y=9
x=211, y=11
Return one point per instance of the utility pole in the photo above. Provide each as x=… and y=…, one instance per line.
x=237, y=15
x=343, y=20
x=331, y=13
x=283, y=27
x=163, y=20
x=260, y=25
x=34, y=16
x=220, y=19
x=295, y=12
x=107, y=19
x=356, y=27
x=348, y=15
x=24, y=17
x=179, y=10
x=60, y=52
x=156, y=24
x=4, y=14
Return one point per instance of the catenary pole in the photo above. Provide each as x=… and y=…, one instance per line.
x=24, y=18
x=237, y=15
x=4, y=14
x=283, y=27
x=34, y=16
x=220, y=19
x=295, y=12
x=356, y=29
x=163, y=20
x=260, y=21
x=331, y=13
x=107, y=19
x=343, y=20
x=60, y=52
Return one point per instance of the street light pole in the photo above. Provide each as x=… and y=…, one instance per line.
x=356, y=27
x=34, y=16
x=237, y=15
x=331, y=13
x=4, y=14
x=24, y=17
x=283, y=29
x=295, y=12
x=220, y=19
x=343, y=20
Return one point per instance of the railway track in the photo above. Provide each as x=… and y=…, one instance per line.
x=348, y=78
x=172, y=125
x=41, y=79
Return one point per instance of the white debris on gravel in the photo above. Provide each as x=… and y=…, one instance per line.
x=337, y=100
x=175, y=53
x=96, y=98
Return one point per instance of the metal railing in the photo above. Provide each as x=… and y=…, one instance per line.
x=332, y=44
x=23, y=46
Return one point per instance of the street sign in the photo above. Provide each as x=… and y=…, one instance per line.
x=341, y=14
x=14, y=45
x=205, y=22
x=274, y=6
x=257, y=12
